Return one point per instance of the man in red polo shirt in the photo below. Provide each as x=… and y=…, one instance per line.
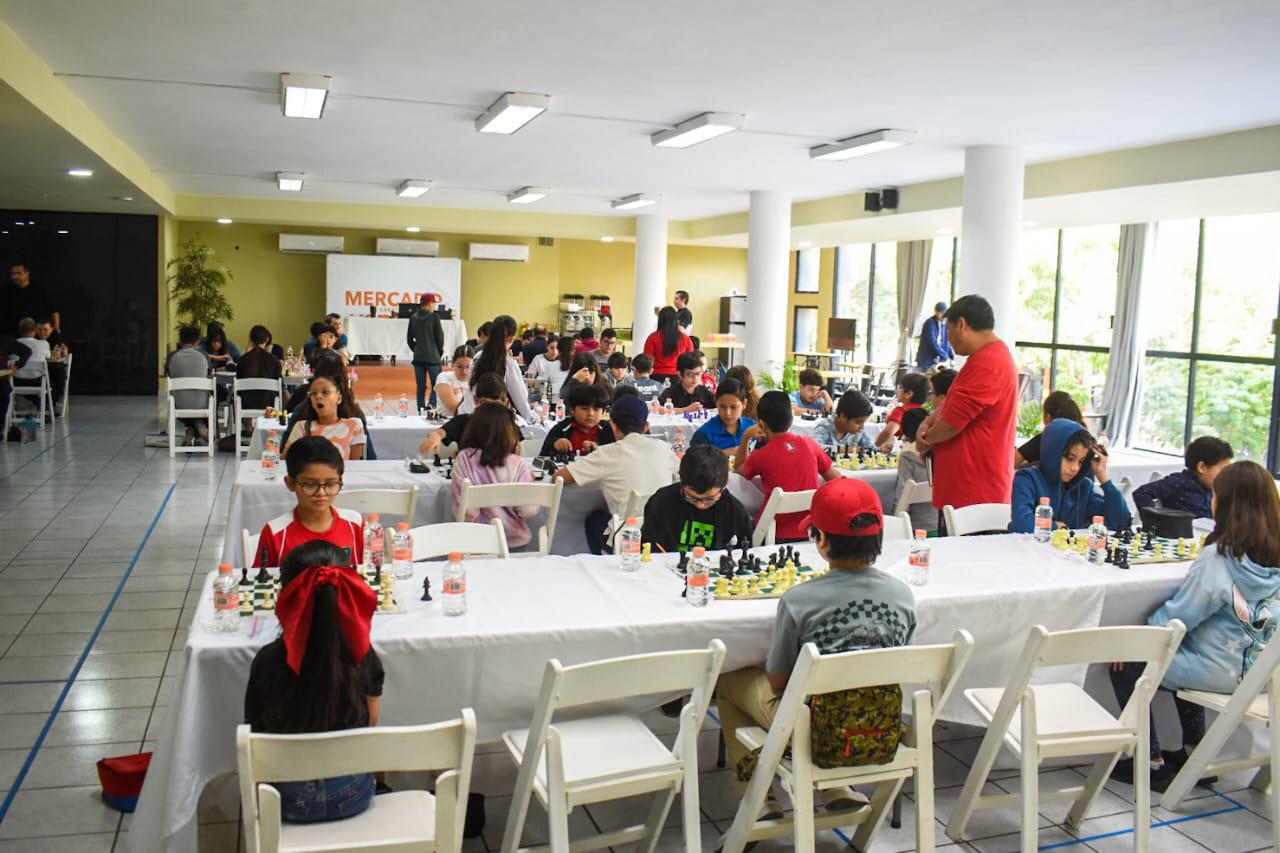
x=972, y=436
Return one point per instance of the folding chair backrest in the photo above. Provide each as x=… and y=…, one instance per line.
x=898, y=527
x=394, y=502
x=191, y=384
x=515, y=494
x=437, y=540
x=978, y=518
x=249, y=545
x=530, y=447
x=638, y=675
x=779, y=503
x=936, y=666
x=241, y=386
x=913, y=493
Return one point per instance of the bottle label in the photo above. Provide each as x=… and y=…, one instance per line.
x=699, y=580
x=226, y=600
x=629, y=547
x=455, y=586
x=403, y=555
x=1044, y=522
x=918, y=561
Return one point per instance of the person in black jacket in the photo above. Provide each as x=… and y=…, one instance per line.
x=582, y=431
x=426, y=338
x=698, y=510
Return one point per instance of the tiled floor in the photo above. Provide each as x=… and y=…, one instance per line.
x=74, y=508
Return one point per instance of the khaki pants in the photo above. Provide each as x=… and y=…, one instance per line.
x=744, y=698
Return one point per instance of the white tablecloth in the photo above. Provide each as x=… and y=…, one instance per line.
x=578, y=609
x=666, y=426
x=394, y=437
x=386, y=335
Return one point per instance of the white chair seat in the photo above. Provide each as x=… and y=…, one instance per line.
x=598, y=750
x=1218, y=702
x=1062, y=710
x=406, y=816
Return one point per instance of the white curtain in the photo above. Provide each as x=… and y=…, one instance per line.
x=1122, y=395
x=913, y=280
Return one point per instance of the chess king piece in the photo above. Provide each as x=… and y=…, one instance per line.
x=426, y=589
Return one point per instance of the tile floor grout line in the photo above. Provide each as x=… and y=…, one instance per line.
x=84, y=656
x=51, y=446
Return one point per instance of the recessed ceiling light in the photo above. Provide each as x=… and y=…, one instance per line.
x=511, y=112
x=290, y=182
x=700, y=128
x=946, y=230
x=304, y=95
x=222, y=220
x=19, y=222
x=413, y=188
x=80, y=173
x=866, y=143
x=631, y=202
x=412, y=229
x=63, y=231
x=122, y=198
x=1030, y=224
x=528, y=195
x=804, y=244
x=4, y=232
x=606, y=239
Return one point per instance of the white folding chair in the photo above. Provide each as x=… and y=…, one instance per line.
x=779, y=502
x=635, y=509
x=515, y=494
x=937, y=668
x=530, y=447
x=1055, y=720
x=898, y=527
x=208, y=414
x=1126, y=486
x=1255, y=700
x=435, y=540
x=43, y=393
x=66, y=385
x=584, y=760
x=979, y=518
x=248, y=545
x=403, y=821
x=238, y=386
x=913, y=493
x=398, y=503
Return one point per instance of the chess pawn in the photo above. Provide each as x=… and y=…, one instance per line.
x=646, y=552
x=246, y=603
x=753, y=586
x=722, y=587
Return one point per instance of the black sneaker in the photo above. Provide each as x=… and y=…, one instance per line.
x=1160, y=776
x=1174, y=759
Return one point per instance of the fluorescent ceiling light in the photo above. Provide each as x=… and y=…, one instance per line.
x=413, y=188
x=528, y=195
x=511, y=112
x=222, y=220
x=80, y=173
x=804, y=244
x=700, y=128
x=122, y=198
x=946, y=230
x=867, y=143
x=290, y=182
x=1031, y=224
x=63, y=231
x=606, y=239
x=412, y=229
x=631, y=202
x=304, y=95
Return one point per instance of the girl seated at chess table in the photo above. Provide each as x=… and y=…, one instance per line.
x=491, y=454
x=320, y=675
x=1071, y=470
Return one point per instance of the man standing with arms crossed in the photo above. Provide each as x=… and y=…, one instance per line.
x=425, y=337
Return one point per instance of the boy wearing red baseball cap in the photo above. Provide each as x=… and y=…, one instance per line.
x=853, y=607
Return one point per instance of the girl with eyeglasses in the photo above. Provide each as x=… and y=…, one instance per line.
x=335, y=418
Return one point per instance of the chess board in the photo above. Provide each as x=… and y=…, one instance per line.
x=260, y=597
x=767, y=575
x=864, y=461
x=1140, y=549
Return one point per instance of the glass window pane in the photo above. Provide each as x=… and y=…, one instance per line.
x=853, y=275
x=1033, y=361
x=1037, y=261
x=1170, y=294
x=806, y=330
x=1089, y=259
x=884, y=343
x=807, y=271
x=939, y=288
x=1241, y=272
x=1164, y=405
x=1082, y=375
x=1233, y=402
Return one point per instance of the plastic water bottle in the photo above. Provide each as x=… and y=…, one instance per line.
x=403, y=410
x=379, y=407
x=668, y=409
x=678, y=444
x=627, y=545
x=226, y=601
x=271, y=457
x=560, y=411
x=698, y=574
x=1097, y=541
x=289, y=353
x=454, y=594
x=402, y=552
x=374, y=542
x=1044, y=521
x=918, y=560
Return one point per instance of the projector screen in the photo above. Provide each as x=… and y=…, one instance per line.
x=354, y=282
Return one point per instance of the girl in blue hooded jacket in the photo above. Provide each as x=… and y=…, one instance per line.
x=1229, y=602
x=1071, y=470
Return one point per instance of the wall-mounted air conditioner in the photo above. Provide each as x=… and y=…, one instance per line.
x=411, y=248
x=517, y=252
x=311, y=244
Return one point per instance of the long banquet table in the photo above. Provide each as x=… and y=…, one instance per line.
x=576, y=609
x=393, y=437
x=385, y=336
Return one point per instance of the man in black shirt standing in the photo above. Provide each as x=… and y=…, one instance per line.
x=425, y=337
x=698, y=510
x=24, y=299
x=684, y=317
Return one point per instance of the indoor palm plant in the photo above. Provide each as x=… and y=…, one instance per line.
x=196, y=280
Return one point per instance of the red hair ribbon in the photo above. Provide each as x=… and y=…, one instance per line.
x=296, y=605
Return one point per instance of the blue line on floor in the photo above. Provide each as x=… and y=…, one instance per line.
x=33, y=681
x=93, y=638
x=45, y=450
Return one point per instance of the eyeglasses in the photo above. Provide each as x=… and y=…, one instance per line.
x=323, y=392
x=701, y=501
x=311, y=488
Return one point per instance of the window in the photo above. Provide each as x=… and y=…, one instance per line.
x=853, y=284
x=807, y=270
x=883, y=327
x=940, y=277
x=1089, y=273
x=805, y=336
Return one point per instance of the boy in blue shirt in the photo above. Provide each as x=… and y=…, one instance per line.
x=811, y=396
x=1070, y=463
x=724, y=432
x=844, y=428
x=1190, y=490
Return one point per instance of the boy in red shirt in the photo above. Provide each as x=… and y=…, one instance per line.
x=314, y=476
x=913, y=392
x=581, y=432
x=793, y=463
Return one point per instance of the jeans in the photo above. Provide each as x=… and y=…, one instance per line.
x=420, y=373
x=595, y=526
x=1191, y=716
x=325, y=799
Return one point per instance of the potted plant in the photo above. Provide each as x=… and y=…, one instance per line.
x=196, y=280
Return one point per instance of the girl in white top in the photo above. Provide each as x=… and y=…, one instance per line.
x=453, y=385
x=495, y=357
x=551, y=367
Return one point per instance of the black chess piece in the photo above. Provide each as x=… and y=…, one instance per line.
x=426, y=589
x=435, y=460
x=244, y=577
x=683, y=564
x=263, y=576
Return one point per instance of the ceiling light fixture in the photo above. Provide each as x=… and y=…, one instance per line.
x=946, y=230
x=304, y=95
x=1030, y=224
x=511, y=112
x=631, y=202
x=290, y=182
x=804, y=244
x=63, y=231
x=222, y=220
x=606, y=239
x=122, y=198
x=528, y=195
x=80, y=173
x=866, y=143
x=412, y=229
x=700, y=128
x=413, y=188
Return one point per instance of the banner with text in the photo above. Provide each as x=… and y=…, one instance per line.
x=354, y=283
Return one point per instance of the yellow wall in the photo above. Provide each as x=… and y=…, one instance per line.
x=824, y=299
x=286, y=292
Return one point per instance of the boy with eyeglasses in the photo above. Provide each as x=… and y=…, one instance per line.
x=314, y=474
x=689, y=394
x=698, y=510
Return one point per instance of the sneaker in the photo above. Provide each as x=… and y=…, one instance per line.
x=1174, y=759
x=202, y=430
x=1160, y=776
x=842, y=799
x=189, y=439
x=772, y=809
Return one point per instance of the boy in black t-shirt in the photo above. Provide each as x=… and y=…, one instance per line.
x=698, y=510
x=689, y=394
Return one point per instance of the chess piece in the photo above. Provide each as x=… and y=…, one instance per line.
x=722, y=587
x=426, y=589
x=244, y=577
x=263, y=576
x=646, y=552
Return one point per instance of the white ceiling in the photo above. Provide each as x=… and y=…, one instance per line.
x=410, y=76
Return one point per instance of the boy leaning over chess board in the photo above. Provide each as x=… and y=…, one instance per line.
x=1071, y=462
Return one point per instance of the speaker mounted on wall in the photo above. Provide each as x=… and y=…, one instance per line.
x=871, y=202
x=889, y=199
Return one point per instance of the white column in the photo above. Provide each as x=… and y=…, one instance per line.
x=769, y=238
x=991, y=226
x=651, y=276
